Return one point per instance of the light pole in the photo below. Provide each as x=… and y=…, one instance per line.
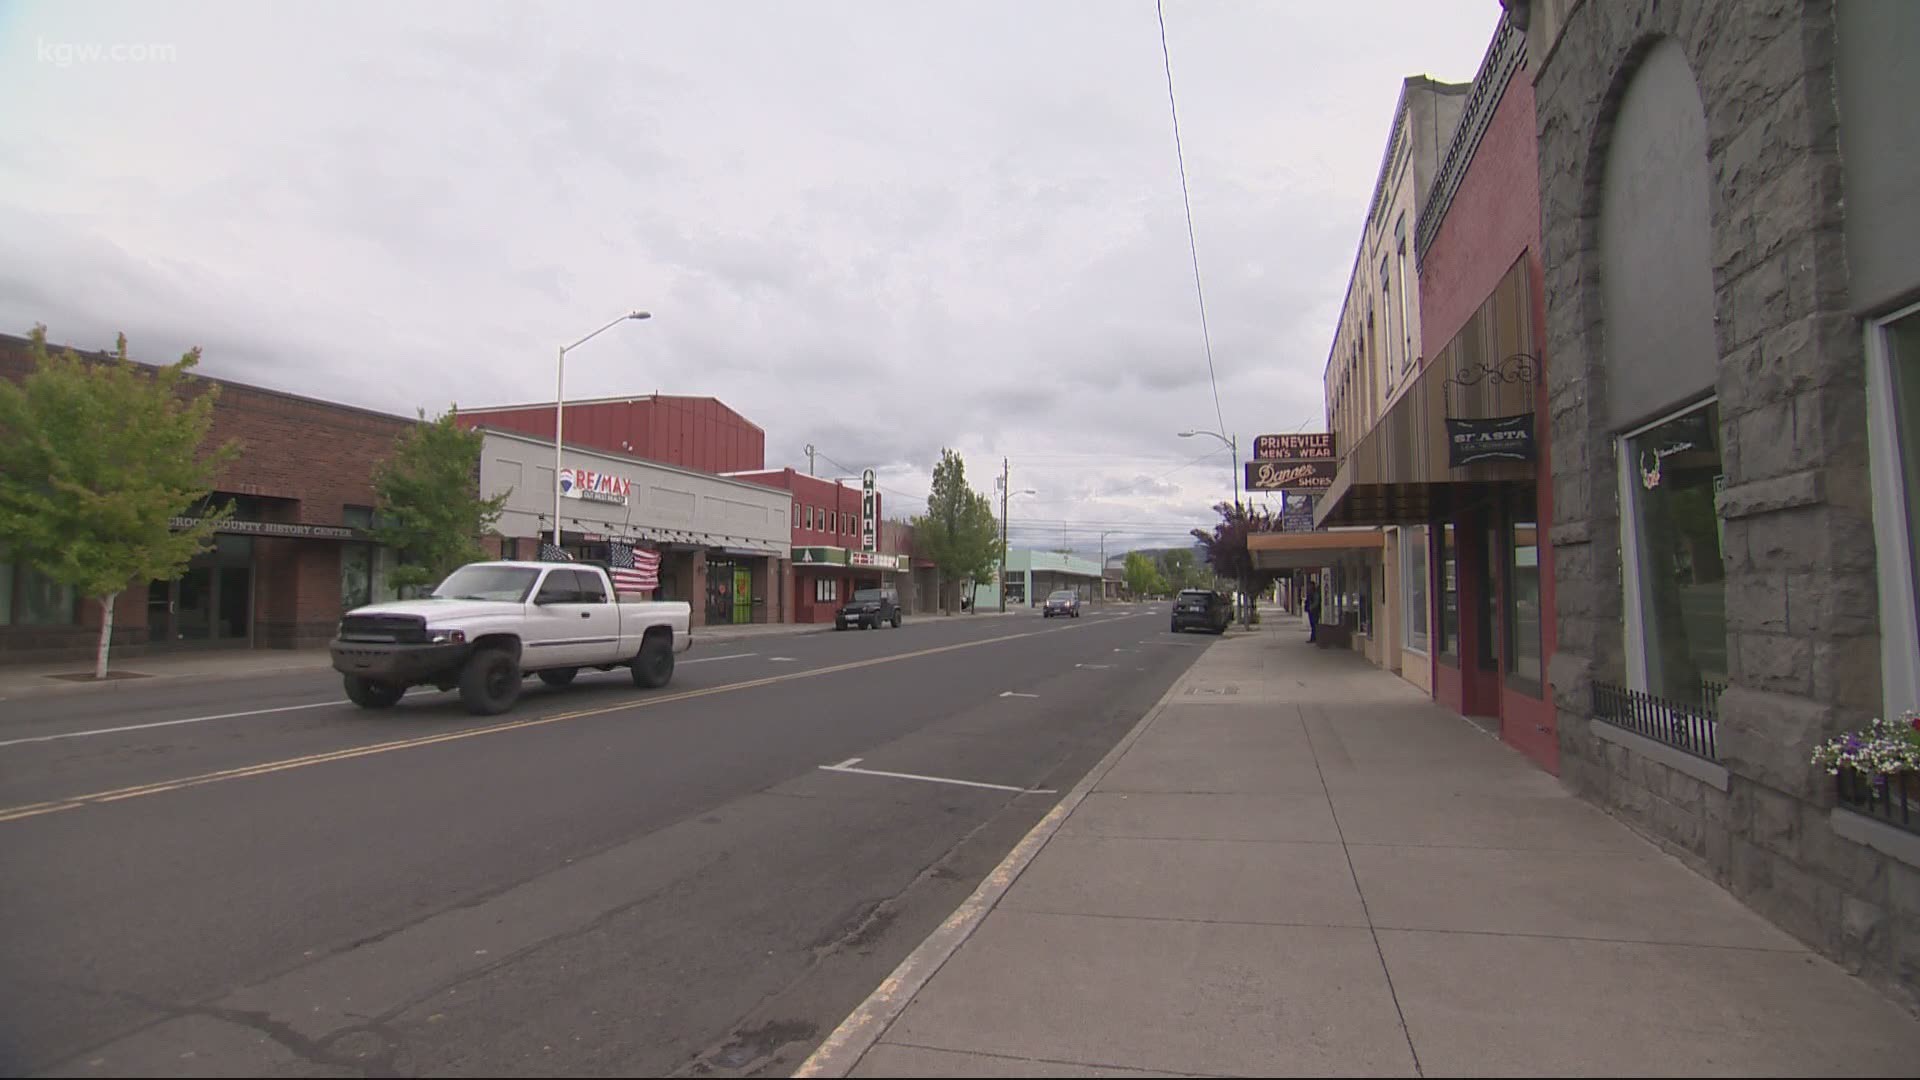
x=1233, y=444
x=560, y=407
x=1005, y=498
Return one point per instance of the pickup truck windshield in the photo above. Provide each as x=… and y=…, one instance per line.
x=509, y=583
x=867, y=594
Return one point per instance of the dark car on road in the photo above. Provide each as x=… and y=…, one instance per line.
x=868, y=609
x=1064, y=603
x=1201, y=609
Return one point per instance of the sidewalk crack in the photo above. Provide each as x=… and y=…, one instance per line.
x=1347, y=852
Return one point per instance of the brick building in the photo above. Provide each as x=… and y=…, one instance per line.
x=280, y=570
x=828, y=561
x=1729, y=229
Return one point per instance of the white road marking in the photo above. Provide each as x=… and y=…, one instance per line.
x=847, y=767
x=1010, y=693
x=711, y=659
x=784, y=659
x=167, y=723
x=1096, y=667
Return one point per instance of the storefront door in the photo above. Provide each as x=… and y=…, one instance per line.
x=211, y=603
x=742, y=595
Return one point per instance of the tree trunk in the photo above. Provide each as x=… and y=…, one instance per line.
x=106, y=635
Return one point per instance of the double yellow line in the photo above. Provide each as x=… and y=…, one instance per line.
x=31, y=810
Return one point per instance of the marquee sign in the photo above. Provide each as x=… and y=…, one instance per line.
x=875, y=561
x=1303, y=476
x=1308, y=446
x=869, y=512
x=595, y=486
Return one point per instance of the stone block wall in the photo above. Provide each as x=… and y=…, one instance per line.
x=1802, y=597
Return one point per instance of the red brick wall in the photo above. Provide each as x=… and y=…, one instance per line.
x=821, y=495
x=691, y=432
x=318, y=456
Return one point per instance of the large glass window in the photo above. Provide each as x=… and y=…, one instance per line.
x=1902, y=340
x=1449, y=593
x=1413, y=565
x=1524, y=661
x=1672, y=473
x=37, y=599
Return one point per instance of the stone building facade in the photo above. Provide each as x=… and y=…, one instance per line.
x=1717, y=184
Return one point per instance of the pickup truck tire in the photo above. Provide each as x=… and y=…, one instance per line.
x=653, y=668
x=372, y=695
x=559, y=676
x=490, y=682
x=896, y=620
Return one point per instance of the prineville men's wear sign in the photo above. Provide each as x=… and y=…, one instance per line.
x=1496, y=438
x=1299, y=446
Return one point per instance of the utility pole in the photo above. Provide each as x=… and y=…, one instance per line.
x=1006, y=489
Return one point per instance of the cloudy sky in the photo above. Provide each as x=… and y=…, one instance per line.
x=880, y=227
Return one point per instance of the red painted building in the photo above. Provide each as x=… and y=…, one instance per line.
x=825, y=569
x=691, y=432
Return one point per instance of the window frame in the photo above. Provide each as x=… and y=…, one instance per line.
x=1632, y=598
x=1407, y=579
x=1447, y=649
x=1510, y=569
x=1893, y=534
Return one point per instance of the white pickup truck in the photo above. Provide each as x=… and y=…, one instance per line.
x=490, y=624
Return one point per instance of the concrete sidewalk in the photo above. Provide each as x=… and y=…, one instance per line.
x=1298, y=864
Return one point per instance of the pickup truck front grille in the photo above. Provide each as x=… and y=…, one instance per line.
x=395, y=629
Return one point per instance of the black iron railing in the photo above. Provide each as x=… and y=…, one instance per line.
x=1892, y=799
x=1683, y=725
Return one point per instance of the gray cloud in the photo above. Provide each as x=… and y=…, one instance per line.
x=881, y=228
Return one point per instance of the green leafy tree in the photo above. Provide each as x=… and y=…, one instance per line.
x=1225, y=547
x=957, y=533
x=1143, y=577
x=96, y=461
x=430, y=509
x=1182, y=571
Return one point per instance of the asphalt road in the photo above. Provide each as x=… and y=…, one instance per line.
x=254, y=878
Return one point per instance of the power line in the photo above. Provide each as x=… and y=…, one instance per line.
x=1186, y=199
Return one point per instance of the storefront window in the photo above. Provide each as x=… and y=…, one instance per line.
x=1449, y=593
x=826, y=590
x=1903, y=360
x=356, y=576
x=1672, y=475
x=1363, y=597
x=6, y=591
x=1413, y=560
x=38, y=600
x=1524, y=662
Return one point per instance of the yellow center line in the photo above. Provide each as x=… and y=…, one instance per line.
x=31, y=810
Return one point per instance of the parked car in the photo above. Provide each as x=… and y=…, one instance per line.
x=1062, y=602
x=1203, y=609
x=868, y=609
x=491, y=624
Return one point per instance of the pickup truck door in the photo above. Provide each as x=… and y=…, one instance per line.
x=570, y=623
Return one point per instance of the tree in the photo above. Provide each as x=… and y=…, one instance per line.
x=1225, y=548
x=1182, y=570
x=430, y=509
x=957, y=533
x=1143, y=577
x=97, y=459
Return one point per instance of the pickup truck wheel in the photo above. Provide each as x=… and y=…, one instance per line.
x=372, y=695
x=653, y=668
x=896, y=620
x=490, y=682
x=559, y=676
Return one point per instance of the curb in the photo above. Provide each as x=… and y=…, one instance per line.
x=840, y=1051
x=52, y=688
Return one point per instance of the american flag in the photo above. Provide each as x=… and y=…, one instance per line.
x=633, y=571
x=554, y=553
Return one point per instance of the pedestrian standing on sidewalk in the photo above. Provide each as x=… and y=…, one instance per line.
x=1313, y=610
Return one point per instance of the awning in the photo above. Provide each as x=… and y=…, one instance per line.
x=1307, y=550
x=1489, y=383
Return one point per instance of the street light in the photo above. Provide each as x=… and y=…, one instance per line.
x=1233, y=444
x=1103, y=564
x=1005, y=498
x=560, y=406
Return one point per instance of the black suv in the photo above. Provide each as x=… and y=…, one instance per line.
x=1201, y=608
x=868, y=609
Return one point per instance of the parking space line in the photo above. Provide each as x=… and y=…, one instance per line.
x=844, y=767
